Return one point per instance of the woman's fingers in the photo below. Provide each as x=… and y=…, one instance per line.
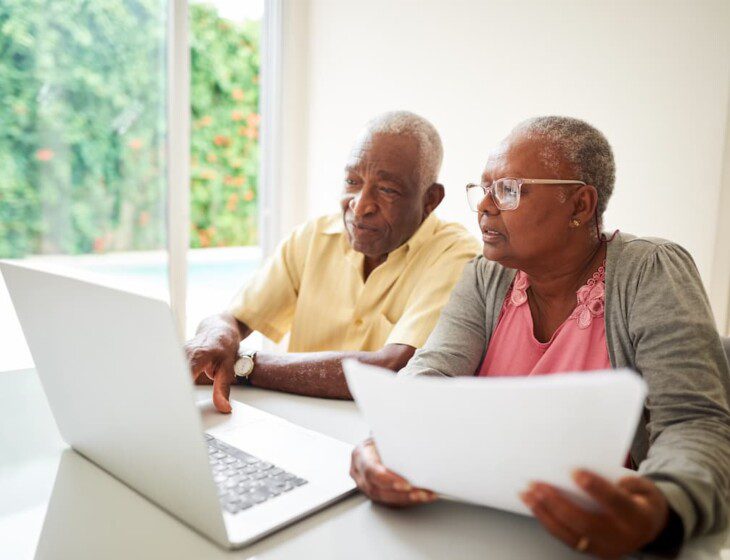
x=548, y=520
x=615, y=500
x=567, y=512
x=380, y=484
x=638, y=485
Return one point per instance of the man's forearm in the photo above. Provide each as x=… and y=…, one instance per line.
x=319, y=374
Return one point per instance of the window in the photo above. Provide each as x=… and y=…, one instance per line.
x=225, y=54
x=83, y=128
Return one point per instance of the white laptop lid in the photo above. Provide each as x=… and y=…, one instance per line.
x=119, y=388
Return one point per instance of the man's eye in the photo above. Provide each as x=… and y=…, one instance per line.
x=351, y=182
x=388, y=190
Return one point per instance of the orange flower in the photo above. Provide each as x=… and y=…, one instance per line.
x=207, y=120
x=144, y=218
x=99, y=245
x=211, y=158
x=253, y=119
x=237, y=94
x=221, y=140
x=236, y=115
x=208, y=174
x=203, y=238
x=251, y=132
x=135, y=144
x=236, y=163
x=248, y=196
x=44, y=154
x=232, y=202
x=239, y=181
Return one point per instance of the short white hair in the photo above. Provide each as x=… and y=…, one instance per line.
x=430, y=149
x=576, y=142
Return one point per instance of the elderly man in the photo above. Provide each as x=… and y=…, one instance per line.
x=366, y=283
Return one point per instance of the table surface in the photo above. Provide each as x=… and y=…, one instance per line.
x=56, y=504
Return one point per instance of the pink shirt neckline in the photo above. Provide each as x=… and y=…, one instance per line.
x=579, y=344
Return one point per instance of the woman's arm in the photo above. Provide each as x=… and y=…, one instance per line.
x=458, y=342
x=679, y=354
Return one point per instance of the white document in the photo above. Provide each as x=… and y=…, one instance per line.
x=483, y=440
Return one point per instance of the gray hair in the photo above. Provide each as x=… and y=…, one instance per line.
x=574, y=141
x=430, y=149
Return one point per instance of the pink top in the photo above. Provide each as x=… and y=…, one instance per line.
x=579, y=344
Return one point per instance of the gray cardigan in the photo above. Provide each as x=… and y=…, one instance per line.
x=658, y=323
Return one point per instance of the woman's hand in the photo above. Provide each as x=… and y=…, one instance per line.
x=634, y=512
x=380, y=484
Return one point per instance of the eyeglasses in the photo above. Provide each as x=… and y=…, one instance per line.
x=506, y=192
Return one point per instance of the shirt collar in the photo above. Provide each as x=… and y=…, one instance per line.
x=423, y=234
x=337, y=226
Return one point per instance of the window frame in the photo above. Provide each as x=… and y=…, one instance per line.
x=178, y=144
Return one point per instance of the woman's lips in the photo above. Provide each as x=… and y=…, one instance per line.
x=490, y=236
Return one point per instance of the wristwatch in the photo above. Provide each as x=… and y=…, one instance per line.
x=244, y=364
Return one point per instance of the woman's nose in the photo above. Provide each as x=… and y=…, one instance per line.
x=487, y=204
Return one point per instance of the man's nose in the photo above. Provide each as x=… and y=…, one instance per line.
x=487, y=204
x=363, y=203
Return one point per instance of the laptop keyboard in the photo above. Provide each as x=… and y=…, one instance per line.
x=243, y=480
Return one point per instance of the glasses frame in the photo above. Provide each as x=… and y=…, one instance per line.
x=488, y=190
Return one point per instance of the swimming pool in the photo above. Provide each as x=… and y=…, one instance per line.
x=214, y=277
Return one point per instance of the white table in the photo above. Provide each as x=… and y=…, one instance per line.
x=85, y=513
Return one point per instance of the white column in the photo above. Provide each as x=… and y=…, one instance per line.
x=178, y=156
x=270, y=141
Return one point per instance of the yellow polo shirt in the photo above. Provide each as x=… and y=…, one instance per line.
x=313, y=286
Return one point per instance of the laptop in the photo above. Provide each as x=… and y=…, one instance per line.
x=119, y=387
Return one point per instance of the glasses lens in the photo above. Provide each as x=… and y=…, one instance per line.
x=474, y=195
x=506, y=193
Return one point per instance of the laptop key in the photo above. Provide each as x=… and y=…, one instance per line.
x=243, y=480
x=259, y=497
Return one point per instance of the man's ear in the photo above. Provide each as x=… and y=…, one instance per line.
x=585, y=201
x=432, y=198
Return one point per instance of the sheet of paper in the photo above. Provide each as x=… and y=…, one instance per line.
x=483, y=440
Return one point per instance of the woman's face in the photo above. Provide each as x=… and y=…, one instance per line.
x=527, y=236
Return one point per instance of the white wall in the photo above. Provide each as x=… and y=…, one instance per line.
x=653, y=75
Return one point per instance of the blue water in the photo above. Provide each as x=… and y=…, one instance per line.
x=228, y=274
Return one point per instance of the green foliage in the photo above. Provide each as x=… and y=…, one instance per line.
x=82, y=125
x=224, y=95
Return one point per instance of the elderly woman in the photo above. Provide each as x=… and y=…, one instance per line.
x=553, y=294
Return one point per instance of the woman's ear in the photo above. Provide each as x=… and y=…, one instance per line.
x=585, y=200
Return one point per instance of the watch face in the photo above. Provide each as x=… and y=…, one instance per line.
x=243, y=366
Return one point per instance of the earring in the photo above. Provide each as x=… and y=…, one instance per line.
x=574, y=223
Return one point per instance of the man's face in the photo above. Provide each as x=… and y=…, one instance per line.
x=382, y=200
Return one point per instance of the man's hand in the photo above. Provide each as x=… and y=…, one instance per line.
x=634, y=512
x=380, y=484
x=212, y=352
